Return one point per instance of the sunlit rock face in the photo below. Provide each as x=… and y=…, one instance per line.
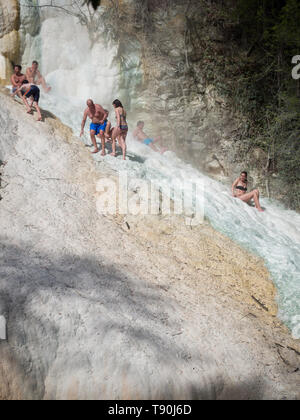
x=151, y=55
x=76, y=68
x=95, y=310
x=161, y=63
x=9, y=38
x=144, y=57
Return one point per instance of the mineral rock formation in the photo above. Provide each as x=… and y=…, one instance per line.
x=9, y=38
x=97, y=310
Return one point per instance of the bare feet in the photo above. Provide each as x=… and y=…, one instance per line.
x=39, y=119
x=29, y=111
x=95, y=151
x=113, y=154
x=47, y=89
x=260, y=209
x=103, y=153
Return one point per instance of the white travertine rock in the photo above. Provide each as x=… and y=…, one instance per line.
x=9, y=16
x=2, y=328
x=9, y=38
x=98, y=311
x=30, y=18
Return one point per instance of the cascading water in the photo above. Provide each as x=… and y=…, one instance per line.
x=77, y=73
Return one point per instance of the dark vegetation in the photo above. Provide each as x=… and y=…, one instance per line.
x=256, y=74
x=245, y=49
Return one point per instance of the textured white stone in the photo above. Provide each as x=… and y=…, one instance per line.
x=97, y=312
x=2, y=328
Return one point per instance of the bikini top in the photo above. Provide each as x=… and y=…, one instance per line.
x=240, y=187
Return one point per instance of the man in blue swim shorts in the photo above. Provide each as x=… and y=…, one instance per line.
x=142, y=137
x=98, y=125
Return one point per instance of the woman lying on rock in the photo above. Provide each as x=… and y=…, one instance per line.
x=239, y=190
x=30, y=91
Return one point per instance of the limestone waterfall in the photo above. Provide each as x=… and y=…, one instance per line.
x=135, y=306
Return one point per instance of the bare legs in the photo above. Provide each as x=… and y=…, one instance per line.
x=42, y=81
x=161, y=149
x=93, y=138
x=29, y=105
x=121, y=135
x=107, y=130
x=102, y=137
x=153, y=147
x=252, y=195
x=122, y=142
x=35, y=104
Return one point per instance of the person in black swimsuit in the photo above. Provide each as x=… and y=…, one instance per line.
x=121, y=130
x=239, y=190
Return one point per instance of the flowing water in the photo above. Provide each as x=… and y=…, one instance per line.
x=77, y=73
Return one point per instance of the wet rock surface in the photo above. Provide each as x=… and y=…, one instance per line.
x=97, y=310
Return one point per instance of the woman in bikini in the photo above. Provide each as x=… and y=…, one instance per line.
x=239, y=190
x=121, y=130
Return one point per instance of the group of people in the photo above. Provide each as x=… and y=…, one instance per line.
x=26, y=86
x=101, y=127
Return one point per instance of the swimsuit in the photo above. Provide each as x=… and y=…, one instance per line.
x=124, y=126
x=147, y=141
x=33, y=91
x=98, y=127
x=239, y=187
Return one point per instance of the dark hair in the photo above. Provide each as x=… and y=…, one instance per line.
x=139, y=122
x=244, y=172
x=24, y=82
x=117, y=103
x=19, y=67
x=35, y=62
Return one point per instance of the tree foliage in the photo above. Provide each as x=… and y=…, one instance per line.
x=268, y=32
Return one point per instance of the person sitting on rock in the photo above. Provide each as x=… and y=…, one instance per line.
x=142, y=137
x=17, y=79
x=239, y=190
x=30, y=91
x=34, y=76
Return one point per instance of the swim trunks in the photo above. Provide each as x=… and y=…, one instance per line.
x=147, y=141
x=98, y=127
x=35, y=92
